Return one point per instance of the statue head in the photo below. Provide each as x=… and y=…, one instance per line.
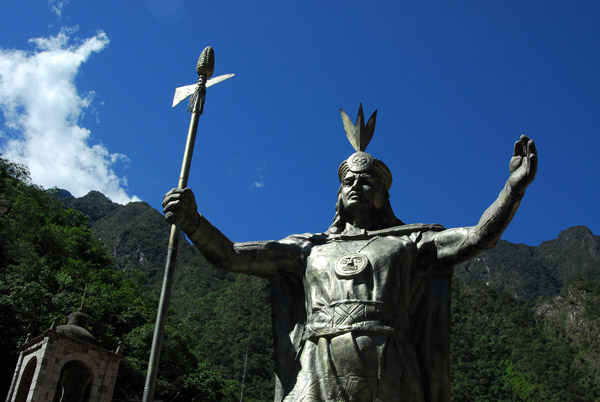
x=365, y=181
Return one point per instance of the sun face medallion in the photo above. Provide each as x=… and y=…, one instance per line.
x=351, y=264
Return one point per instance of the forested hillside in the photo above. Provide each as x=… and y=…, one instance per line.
x=534, y=272
x=49, y=258
x=526, y=320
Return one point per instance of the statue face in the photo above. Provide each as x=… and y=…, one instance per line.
x=361, y=190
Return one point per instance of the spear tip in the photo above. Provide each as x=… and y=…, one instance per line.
x=206, y=63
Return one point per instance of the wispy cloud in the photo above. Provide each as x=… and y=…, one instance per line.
x=57, y=5
x=42, y=110
x=260, y=182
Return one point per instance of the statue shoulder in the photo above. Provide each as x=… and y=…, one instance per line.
x=410, y=229
x=304, y=239
x=307, y=240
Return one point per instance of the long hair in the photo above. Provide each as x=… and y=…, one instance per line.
x=383, y=217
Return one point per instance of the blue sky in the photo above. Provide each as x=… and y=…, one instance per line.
x=86, y=89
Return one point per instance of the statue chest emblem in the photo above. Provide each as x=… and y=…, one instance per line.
x=353, y=261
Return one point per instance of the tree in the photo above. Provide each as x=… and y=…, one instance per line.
x=51, y=265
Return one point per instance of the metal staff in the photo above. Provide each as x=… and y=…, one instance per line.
x=204, y=68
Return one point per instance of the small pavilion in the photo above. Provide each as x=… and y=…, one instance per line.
x=64, y=365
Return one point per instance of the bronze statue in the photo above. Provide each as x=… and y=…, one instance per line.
x=361, y=312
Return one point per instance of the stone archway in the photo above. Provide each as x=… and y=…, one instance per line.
x=75, y=383
x=26, y=379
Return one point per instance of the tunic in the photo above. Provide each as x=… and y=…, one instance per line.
x=353, y=336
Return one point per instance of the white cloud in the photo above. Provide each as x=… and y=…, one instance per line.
x=260, y=183
x=42, y=110
x=57, y=5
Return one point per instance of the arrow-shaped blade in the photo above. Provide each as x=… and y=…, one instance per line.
x=216, y=80
x=183, y=92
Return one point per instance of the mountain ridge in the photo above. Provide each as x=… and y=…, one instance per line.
x=133, y=231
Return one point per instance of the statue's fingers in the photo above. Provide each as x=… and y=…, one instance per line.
x=519, y=149
x=532, y=156
x=515, y=162
x=531, y=149
x=174, y=193
x=172, y=206
x=168, y=193
x=533, y=162
x=170, y=197
x=170, y=217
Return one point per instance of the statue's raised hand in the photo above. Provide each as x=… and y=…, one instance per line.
x=179, y=206
x=523, y=165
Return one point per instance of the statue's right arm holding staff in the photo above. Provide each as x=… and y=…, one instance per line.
x=264, y=259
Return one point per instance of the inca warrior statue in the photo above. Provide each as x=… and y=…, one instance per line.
x=362, y=311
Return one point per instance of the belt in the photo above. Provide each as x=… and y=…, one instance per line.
x=357, y=315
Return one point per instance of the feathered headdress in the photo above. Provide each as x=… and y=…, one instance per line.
x=359, y=136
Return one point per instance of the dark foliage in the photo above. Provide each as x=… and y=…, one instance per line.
x=49, y=259
x=94, y=204
x=534, y=272
x=502, y=351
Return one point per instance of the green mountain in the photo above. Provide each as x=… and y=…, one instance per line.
x=529, y=272
x=51, y=265
x=220, y=309
x=136, y=235
x=574, y=318
x=525, y=319
x=94, y=204
x=573, y=256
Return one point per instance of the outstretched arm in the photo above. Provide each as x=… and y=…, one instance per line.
x=457, y=245
x=254, y=258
